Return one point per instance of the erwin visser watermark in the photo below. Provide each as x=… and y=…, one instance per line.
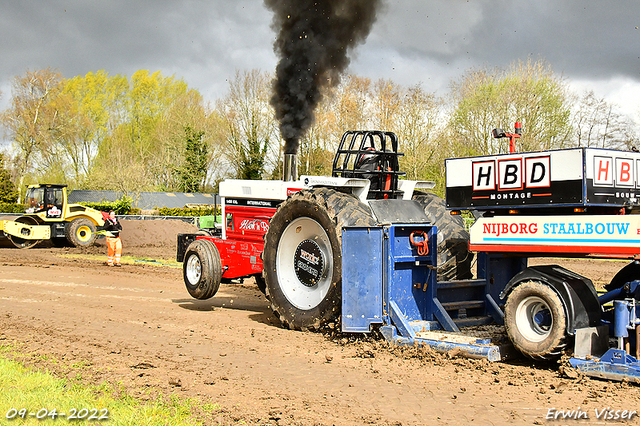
x=604, y=413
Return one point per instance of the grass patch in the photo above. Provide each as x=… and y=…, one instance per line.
x=40, y=393
x=130, y=260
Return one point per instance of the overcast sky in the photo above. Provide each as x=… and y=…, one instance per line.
x=594, y=44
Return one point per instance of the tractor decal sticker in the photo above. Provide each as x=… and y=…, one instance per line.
x=614, y=170
x=612, y=177
x=521, y=179
x=510, y=172
x=291, y=191
x=309, y=257
x=309, y=262
x=254, y=225
x=603, y=169
x=252, y=203
x=484, y=175
x=54, y=212
x=538, y=171
x=496, y=229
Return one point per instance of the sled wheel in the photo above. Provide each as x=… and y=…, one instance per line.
x=454, y=258
x=23, y=243
x=302, y=255
x=535, y=321
x=202, y=269
x=631, y=272
x=80, y=232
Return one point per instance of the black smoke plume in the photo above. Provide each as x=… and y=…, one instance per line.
x=313, y=43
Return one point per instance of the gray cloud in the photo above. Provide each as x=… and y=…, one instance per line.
x=202, y=42
x=585, y=39
x=413, y=41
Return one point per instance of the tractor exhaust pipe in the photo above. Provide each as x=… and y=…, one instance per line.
x=289, y=168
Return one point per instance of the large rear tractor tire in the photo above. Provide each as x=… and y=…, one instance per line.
x=23, y=243
x=535, y=321
x=454, y=258
x=80, y=232
x=303, y=255
x=202, y=269
x=261, y=283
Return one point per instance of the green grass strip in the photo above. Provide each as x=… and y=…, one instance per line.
x=39, y=394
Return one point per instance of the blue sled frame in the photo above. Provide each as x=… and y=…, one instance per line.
x=385, y=282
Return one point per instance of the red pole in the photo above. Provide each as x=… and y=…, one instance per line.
x=513, y=137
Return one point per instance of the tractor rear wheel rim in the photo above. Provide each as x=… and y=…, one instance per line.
x=194, y=269
x=304, y=232
x=528, y=319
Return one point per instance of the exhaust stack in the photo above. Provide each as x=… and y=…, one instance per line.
x=289, y=168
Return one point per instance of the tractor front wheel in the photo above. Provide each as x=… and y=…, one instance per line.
x=302, y=255
x=202, y=269
x=80, y=232
x=535, y=321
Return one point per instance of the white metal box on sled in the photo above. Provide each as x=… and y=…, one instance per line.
x=577, y=177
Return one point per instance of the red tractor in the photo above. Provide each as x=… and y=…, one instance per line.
x=287, y=234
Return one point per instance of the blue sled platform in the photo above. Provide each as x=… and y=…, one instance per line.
x=615, y=364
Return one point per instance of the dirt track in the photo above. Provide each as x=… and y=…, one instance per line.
x=138, y=325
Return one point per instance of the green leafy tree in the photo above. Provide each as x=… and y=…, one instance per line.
x=139, y=151
x=95, y=107
x=8, y=191
x=187, y=112
x=528, y=92
x=194, y=168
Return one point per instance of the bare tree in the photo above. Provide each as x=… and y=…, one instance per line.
x=31, y=117
x=351, y=104
x=418, y=129
x=317, y=147
x=597, y=123
x=251, y=139
x=387, y=104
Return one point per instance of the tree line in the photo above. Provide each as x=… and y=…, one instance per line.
x=150, y=132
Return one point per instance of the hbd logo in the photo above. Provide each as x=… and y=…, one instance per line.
x=609, y=170
x=512, y=174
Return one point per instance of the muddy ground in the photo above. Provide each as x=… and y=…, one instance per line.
x=138, y=326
